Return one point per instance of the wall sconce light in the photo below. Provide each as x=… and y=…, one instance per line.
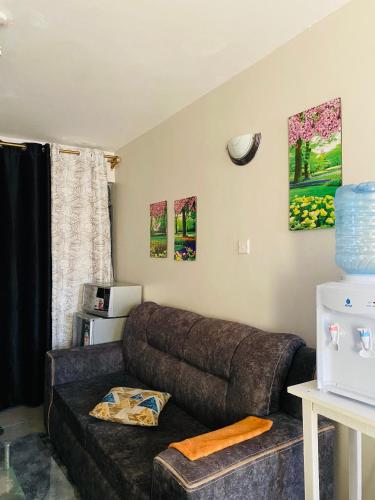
x=3, y=19
x=243, y=148
x=3, y=22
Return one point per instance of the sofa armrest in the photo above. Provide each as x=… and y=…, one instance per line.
x=265, y=467
x=303, y=369
x=79, y=363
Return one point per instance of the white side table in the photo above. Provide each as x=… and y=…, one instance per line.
x=359, y=417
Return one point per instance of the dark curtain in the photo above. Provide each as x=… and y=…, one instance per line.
x=25, y=263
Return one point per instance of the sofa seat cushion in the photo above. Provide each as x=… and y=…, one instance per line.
x=75, y=400
x=123, y=453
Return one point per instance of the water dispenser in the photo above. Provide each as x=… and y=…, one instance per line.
x=346, y=309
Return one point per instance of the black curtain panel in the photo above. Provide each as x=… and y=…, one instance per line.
x=25, y=276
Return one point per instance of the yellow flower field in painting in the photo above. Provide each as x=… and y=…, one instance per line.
x=310, y=212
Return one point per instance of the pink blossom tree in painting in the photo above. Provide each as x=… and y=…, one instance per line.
x=185, y=228
x=321, y=122
x=314, y=165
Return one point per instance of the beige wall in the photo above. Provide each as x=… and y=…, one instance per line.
x=274, y=286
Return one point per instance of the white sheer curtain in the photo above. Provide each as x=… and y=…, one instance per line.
x=81, y=243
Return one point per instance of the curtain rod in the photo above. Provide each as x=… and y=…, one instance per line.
x=114, y=160
x=13, y=144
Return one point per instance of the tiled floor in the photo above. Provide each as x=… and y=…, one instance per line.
x=21, y=421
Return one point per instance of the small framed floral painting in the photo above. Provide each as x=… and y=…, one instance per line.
x=158, y=229
x=315, y=162
x=185, y=222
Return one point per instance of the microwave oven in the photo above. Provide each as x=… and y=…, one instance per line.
x=89, y=329
x=111, y=300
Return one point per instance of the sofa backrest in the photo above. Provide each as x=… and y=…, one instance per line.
x=218, y=371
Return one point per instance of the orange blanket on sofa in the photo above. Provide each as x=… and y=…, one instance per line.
x=205, y=444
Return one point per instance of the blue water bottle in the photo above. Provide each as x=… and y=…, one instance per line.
x=355, y=228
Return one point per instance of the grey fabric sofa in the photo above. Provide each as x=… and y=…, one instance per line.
x=218, y=372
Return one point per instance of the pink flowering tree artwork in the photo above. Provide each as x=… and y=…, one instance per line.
x=185, y=228
x=314, y=165
x=158, y=229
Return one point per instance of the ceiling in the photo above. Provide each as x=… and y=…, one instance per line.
x=93, y=72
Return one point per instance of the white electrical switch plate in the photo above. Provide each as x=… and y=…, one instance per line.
x=244, y=246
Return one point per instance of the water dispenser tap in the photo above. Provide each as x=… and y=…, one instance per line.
x=365, y=335
x=334, y=332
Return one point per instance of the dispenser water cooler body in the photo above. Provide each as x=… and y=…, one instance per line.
x=345, y=338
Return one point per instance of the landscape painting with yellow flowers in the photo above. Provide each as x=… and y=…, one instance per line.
x=314, y=166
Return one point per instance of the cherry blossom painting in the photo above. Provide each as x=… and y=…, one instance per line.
x=185, y=220
x=158, y=229
x=314, y=165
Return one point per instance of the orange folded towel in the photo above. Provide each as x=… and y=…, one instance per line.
x=205, y=444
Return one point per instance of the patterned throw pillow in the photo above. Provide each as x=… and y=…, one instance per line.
x=126, y=405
